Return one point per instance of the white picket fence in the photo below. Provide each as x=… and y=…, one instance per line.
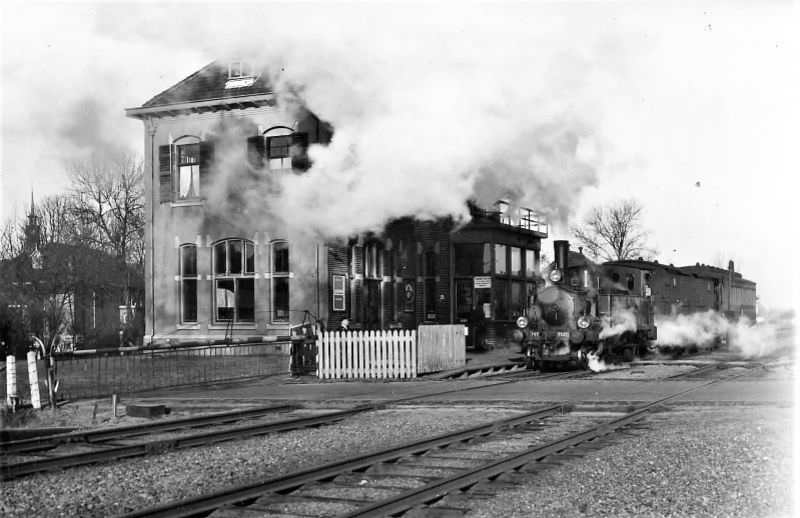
x=367, y=354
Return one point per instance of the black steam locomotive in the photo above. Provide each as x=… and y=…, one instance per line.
x=579, y=313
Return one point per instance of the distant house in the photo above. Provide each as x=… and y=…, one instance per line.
x=211, y=277
x=67, y=292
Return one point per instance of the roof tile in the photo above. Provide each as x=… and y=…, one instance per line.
x=206, y=84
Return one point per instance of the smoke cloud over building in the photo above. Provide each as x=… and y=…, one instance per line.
x=421, y=127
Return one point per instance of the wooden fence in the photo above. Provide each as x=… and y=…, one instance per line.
x=440, y=347
x=367, y=354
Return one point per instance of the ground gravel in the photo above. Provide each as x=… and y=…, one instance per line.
x=734, y=462
x=114, y=489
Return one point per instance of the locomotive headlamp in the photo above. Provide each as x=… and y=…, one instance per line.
x=584, y=321
x=555, y=275
x=522, y=322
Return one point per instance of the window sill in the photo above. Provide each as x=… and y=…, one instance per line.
x=240, y=326
x=185, y=327
x=187, y=203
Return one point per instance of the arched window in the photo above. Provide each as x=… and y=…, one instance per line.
x=183, y=165
x=280, y=281
x=188, y=162
x=279, y=148
x=234, y=280
x=188, y=283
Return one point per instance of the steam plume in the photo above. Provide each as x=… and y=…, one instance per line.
x=421, y=127
x=598, y=365
x=621, y=322
x=703, y=329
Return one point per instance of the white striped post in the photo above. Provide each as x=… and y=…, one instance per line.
x=33, y=379
x=11, y=381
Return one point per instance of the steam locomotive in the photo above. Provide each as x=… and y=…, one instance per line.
x=580, y=312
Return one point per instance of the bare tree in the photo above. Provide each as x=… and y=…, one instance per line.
x=108, y=197
x=614, y=232
x=56, y=220
x=108, y=200
x=11, y=240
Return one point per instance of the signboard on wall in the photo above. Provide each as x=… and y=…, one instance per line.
x=409, y=295
x=481, y=282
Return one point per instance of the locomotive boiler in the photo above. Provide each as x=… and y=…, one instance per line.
x=578, y=313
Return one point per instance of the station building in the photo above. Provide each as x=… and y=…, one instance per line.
x=227, y=278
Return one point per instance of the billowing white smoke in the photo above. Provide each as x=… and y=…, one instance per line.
x=598, y=365
x=696, y=329
x=621, y=322
x=428, y=117
x=704, y=329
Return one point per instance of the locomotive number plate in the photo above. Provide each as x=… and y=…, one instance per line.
x=562, y=334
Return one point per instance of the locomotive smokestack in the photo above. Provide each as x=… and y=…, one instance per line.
x=561, y=250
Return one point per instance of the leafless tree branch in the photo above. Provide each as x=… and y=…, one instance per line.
x=614, y=232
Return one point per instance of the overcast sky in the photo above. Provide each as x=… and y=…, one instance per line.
x=689, y=107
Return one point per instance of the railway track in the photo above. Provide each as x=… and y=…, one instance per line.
x=368, y=485
x=107, y=445
x=104, y=435
x=379, y=464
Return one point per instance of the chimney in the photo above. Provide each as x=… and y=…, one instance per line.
x=561, y=250
x=730, y=266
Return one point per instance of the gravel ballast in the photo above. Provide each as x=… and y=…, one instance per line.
x=107, y=490
x=704, y=462
x=688, y=462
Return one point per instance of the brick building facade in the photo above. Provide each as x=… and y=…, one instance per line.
x=224, y=275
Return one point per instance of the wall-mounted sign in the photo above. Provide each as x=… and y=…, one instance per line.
x=482, y=282
x=409, y=295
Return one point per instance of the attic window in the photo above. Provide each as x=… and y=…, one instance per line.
x=240, y=74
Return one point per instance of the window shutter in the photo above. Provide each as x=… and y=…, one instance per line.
x=256, y=151
x=164, y=173
x=300, y=152
x=206, y=159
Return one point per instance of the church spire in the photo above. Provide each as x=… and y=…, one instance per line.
x=32, y=231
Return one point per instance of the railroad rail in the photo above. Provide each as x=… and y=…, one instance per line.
x=107, y=439
x=265, y=497
x=114, y=452
x=205, y=504
x=101, y=435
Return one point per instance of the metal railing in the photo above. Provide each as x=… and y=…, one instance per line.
x=129, y=370
x=521, y=217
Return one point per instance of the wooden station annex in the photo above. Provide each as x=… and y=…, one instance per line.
x=211, y=277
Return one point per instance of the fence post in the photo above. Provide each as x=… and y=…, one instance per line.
x=321, y=355
x=413, y=346
x=363, y=352
x=402, y=355
x=369, y=359
x=350, y=370
x=396, y=362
